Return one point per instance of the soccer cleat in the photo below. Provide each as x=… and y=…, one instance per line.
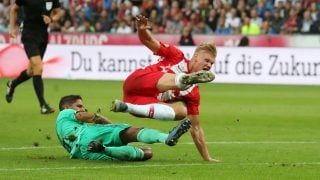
x=46, y=109
x=197, y=77
x=9, y=94
x=95, y=146
x=118, y=106
x=177, y=132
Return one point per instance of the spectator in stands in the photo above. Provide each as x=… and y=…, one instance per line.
x=280, y=6
x=254, y=18
x=204, y=8
x=5, y=8
x=87, y=8
x=277, y=23
x=212, y=20
x=187, y=10
x=249, y=28
x=221, y=28
x=86, y=26
x=105, y=21
x=291, y=24
x=201, y=28
x=315, y=27
x=66, y=28
x=266, y=28
x=252, y=3
x=233, y=21
x=163, y=12
x=186, y=37
x=299, y=8
x=241, y=7
x=287, y=8
x=97, y=11
x=244, y=41
x=114, y=27
x=314, y=10
x=174, y=25
x=123, y=28
x=154, y=17
x=268, y=16
x=194, y=19
x=98, y=27
x=113, y=11
x=262, y=6
x=4, y=26
x=306, y=22
x=107, y=4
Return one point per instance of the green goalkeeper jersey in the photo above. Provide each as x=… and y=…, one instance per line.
x=69, y=130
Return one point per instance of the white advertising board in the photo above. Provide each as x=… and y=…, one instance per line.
x=299, y=66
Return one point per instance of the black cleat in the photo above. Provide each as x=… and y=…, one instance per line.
x=177, y=132
x=46, y=109
x=9, y=93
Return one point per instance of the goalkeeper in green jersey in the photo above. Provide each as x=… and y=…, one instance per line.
x=91, y=136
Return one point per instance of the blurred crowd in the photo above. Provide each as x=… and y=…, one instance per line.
x=222, y=17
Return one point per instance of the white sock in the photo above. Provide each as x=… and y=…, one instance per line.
x=155, y=111
x=178, y=81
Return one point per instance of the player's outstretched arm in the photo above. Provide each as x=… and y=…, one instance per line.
x=92, y=118
x=198, y=138
x=145, y=35
x=12, y=19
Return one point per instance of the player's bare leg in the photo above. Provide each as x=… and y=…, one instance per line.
x=160, y=111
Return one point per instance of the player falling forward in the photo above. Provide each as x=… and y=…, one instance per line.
x=154, y=91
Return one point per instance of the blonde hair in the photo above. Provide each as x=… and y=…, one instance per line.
x=207, y=46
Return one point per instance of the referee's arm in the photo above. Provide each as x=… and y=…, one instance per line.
x=12, y=19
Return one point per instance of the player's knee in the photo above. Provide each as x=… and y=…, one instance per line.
x=35, y=65
x=37, y=70
x=181, y=113
x=147, y=153
x=180, y=117
x=30, y=73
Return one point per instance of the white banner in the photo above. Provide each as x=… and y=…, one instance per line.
x=233, y=65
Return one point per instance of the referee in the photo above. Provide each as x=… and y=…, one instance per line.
x=37, y=14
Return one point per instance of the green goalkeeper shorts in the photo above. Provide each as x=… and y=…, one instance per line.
x=108, y=134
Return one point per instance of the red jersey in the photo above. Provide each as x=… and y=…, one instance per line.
x=140, y=86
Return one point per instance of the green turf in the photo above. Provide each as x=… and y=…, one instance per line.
x=258, y=131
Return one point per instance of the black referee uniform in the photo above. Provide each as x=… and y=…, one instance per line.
x=35, y=39
x=34, y=30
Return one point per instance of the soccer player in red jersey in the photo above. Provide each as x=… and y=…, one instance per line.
x=153, y=91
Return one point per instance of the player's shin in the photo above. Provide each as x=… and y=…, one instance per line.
x=126, y=153
x=155, y=111
x=150, y=136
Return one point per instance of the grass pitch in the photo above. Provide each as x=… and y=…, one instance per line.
x=258, y=131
